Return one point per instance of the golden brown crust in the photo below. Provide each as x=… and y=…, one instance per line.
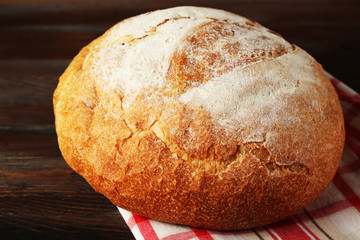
x=167, y=160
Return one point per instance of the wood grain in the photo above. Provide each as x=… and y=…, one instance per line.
x=40, y=196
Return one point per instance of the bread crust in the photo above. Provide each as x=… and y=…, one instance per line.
x=171, y=161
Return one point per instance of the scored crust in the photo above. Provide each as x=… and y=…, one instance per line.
x=201, y=117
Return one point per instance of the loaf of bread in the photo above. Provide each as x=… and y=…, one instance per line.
x=201, y=117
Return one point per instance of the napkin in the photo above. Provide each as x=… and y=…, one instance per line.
x=334, y=215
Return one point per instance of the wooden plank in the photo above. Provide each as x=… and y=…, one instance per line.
x=26, y=111
x=59, y=216
x=29, y=142
x=43, y=44
x=26, y=89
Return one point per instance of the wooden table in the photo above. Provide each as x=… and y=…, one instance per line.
x=40, y=196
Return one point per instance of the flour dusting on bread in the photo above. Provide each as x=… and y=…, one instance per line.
x=136, y=53
x=256, y=95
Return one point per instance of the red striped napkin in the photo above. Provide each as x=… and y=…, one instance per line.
x=335, y=215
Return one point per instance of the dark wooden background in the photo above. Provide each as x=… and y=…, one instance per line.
x=40, y=196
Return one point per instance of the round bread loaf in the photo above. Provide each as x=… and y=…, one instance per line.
x=201, y=117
